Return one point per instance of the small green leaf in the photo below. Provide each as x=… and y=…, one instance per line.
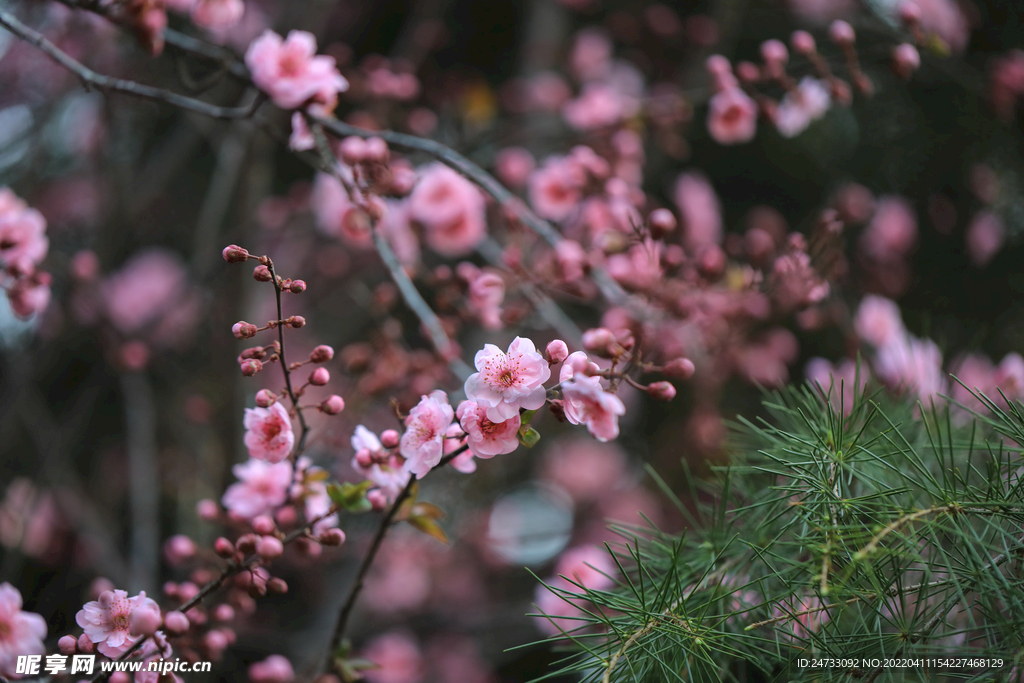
x=429, y=527
x=526, y=416
x=529, y=437
x=351, y=497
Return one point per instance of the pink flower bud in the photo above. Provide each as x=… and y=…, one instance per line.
x=246, y=543
x=663, y=391
x=286, y=516
x=333, y=404
x=389, y=438
x=224, y=612
x=277, y=586
x=176, y=622
x=208, y=510
x=662, y=222
x=910, y=13
x=262, y=274
x=269, y=547
x=352, y=150
x=235, y=254
x=85, y=644
x=319, y=377
x=68, y=645
x=178, y=548
x=215, y=643
x=265, y=398
x=297, y=287
x=224, y=547
x=187, y=590
x=377, y=150
x=144, y=621
x=774, y=52
x=841, y=33
x=680, y=368
x=364, y=458
x=557, y=351
x=332, y=537
x=243, y=330
x=119, y=677
x=905, y=60
x=263, y=525
x=598, y=340
x=803, y=42
x=296, y=321
x=321, y=354
x=377, y=499
x=251, y=366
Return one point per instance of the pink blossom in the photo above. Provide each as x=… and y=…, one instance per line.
x=583, y=567
x=389, y=476
x=21, y=633
x=273, y=669
x=451, y=210
x=107, y=621
x=732, y=117
x=336, y=215
x=291, y=72
x=946, y=20
x=23, y=242
x=149, y=286
x=155, y=648
x=555, y=189
x=892, y=232
x=586, y=402
x=514, y=166
x=506, y=382
x=398, y=656
x=701, y=211
x=311, y=488
x=486, y=293
x=837, y=381
x=571, y=259
x=598, y=106
x=984, y=238
x=268, y=434
x=30, y=295
x=585, y=469
x=422, y=444
x=487, y=438
x=802, y=107
x=1006, y=83
x=591, y=54
x=217, y=15
x=262, y=486
x=878, y=320
x=911, y=364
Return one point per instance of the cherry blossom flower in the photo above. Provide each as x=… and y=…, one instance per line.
x=911, y=364
x=837, y=381
x=389, y=476
x=422, y=443
x=589, y=567
x=878, y=320
x=892, y=232
x=311, y=488
x=456, y=438
x=486, y=438
x=555, y=189
x=262, y=486
x=732, y=117
x=598, y=106
x=149, y=285
x=450, y=208
x=506, y=382
x=23, y=242
x=802, y=107
x=107, y=621
x=586, y=402
x=269, y=434
x=290, y=71
x=217, y=15
x=21, y=633
x=398, y=656
x=701, y=211
x=273, y=669
x=984, y=238
x=486, y=293
x=155, y=648
x=336, y=215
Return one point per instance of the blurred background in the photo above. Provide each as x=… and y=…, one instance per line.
x=121, y=402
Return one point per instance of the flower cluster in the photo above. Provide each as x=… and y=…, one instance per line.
x=23, y=246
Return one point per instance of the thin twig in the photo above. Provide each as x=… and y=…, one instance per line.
x=109, y=84
x=301, y=445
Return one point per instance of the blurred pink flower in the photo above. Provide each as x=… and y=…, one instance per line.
x=148, y=286
x=336, y=215
x=290, y=71
x=638, y=268
x=451, y=210
x=217, y=15
x=269, y=434
x=514, y=165
x=555, y=189
x=389, y=476
x=947, y=20
x=984, y=238
x=590, y=55
x=486, y=293
x=398, y=656
x=21, y=633
x=837, y=381
x=506, y=382
x=732, y=117
x=425, y=426
x=911, y=364
x=273, y=669
x=30, y=295
x=107, y=621
x=823, y=11
x=802, y=107
x=584, y=468
x=878, y=320
x=588, y=566
x=487, y=438
x=701, y=211
x=262, y=486
x=892, y=232
x=598, y=106
x=23, y=242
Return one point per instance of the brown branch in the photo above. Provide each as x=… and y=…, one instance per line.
x=292, y=396
x=104, y=83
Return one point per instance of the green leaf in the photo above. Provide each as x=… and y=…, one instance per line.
x=528, y=436
x=429, y=527
x=351, y=497
x=526, y=417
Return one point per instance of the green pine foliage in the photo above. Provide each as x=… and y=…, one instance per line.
x=893, y=533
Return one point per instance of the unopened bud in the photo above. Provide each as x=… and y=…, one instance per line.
x=262, y=274
x=257, y=589
x=332, y=536
x=841, y=33
x=297, y=287
x=277, y=586
x=251, y=366
x=224, y=612
x=352, y=150
x=265, y=398
x=662, y=222
x=224, y=547
x=286, y=516
x=910, y=13
x=296, y=321
x=332, y=405
x=663, y=391
x=68, y=645
x=176, y=622
x=364, y=458
x=269, y=547
x=377, y=150
x=557, y=351
x=246, y=543
x=144, y=621
x=85, y=644
x=803, y=42
x=680, y=368
x=377, y=499
x=243, y=330
x=319, y=377
x=263, y=525
x=321, y=354
x=235, y=254
x=598, y=340
x=208, y=509
x=389, y=438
